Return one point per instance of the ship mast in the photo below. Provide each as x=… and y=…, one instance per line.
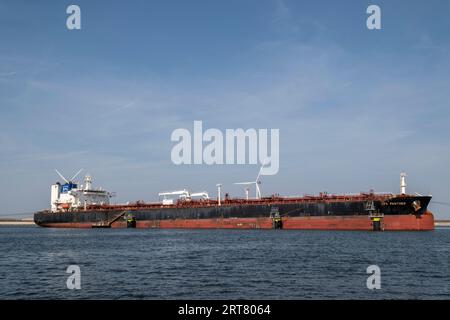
x=219, y=185
x=403, y=183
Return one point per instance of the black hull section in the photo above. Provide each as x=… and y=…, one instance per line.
x=401, y=205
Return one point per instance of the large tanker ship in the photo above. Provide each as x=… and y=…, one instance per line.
x=86, y=207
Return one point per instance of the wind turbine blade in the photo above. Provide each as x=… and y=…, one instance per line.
x=258, y=192
x=260, y=169
x=76, y=174
x=62, y=177
x=251, y=182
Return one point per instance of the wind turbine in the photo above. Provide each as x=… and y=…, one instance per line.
x=70, y=180
x=256, y=182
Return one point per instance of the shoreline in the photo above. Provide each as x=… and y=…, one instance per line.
x=442, y=223
x=14, y=222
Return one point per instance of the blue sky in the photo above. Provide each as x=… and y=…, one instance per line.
x=354, y=107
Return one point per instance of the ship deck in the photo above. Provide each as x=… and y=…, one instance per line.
x=273, y=200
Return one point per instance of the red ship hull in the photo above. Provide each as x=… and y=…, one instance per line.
x=409, y=222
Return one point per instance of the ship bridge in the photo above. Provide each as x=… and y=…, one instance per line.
x=68, y=196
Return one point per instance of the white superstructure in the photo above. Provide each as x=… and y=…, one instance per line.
x=69, y=197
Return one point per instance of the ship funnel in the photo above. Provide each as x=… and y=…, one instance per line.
x=403, y=183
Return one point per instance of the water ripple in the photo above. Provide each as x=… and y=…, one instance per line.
x=222, y=264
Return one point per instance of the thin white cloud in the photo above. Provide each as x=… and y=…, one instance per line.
x=7, y=74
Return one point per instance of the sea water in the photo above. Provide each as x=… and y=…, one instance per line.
x=222, y=264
